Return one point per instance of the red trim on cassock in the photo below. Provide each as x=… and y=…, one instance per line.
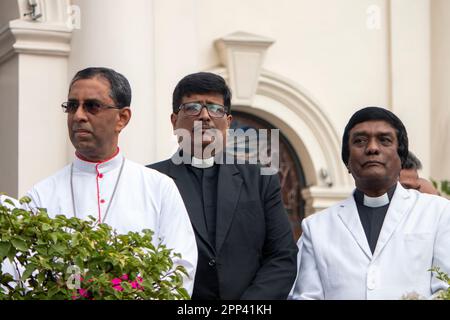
x=98, y=193
x=97, y=177
x=87, y=160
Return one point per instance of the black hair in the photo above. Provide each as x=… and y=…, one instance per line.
x=412, y=162
x=376, y=114
x=120, y=90
x=201, y=83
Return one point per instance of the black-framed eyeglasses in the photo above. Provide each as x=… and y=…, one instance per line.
x=91, y=106
x=194, y=108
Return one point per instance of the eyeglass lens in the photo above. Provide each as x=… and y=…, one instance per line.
x=91, y=106
x=194, y=109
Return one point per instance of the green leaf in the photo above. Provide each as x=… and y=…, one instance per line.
x=6, y=278
x=75, y=239
x=54, y=237
x=52, y=291
x=46, y=227
x=4, y=248
x=24, y=200
x=9, y=201
x=28, y=271
x=19, y=244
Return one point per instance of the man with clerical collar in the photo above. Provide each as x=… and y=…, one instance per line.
x=381, y=242
x=102, y=183
x=245, y=243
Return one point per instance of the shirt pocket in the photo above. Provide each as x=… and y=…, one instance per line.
x=419, y=250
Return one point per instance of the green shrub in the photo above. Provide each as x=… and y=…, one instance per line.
x=443, y=295
x=70, y=258
x=442, y=186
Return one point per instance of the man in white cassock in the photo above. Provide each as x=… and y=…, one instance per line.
x=101, y=182
x=381, y=242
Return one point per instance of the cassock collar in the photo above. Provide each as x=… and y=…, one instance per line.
x=98, y=167
x=374, y=202
x=202, y=163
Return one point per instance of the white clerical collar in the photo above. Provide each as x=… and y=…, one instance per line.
x=98, y=167
x=375, y=202
x=202, y=163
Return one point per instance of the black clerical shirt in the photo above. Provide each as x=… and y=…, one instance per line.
x=372, y=218
x=205, y=181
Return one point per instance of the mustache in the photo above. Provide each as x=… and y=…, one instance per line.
x=203, y=126
x=80, y=129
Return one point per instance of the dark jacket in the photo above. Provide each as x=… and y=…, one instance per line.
x=255, y=255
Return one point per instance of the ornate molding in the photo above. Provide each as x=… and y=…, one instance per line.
x=310, y=132
x=243, y=54
x=20, y=36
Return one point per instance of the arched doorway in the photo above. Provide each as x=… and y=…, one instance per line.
x=291, y=174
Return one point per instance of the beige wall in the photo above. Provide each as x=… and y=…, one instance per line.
x=9, y=11
x=440, y=89
x=119, y=34
x=42, y=127
x=323, y=46
x=9, y=133
x=410, y=73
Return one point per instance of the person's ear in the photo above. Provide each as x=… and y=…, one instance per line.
x=124, y=116
x=173, y=119
x=229, y=120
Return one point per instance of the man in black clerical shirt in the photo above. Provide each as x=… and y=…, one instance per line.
x=246, y=249
x=381, y=242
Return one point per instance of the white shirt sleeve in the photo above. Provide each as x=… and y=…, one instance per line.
x=35, y=200
x=177, y=233
x=295, y=291
x=309, y=282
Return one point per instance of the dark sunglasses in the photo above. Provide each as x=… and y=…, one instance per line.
x=91, y=106
x=194, y=109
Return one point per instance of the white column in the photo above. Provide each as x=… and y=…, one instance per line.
x=33, y=73
x=119, y=35
x=440, y=92
x=177, y=53
x=410, y=73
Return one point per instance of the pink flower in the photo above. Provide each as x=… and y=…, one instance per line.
x=83, y=292
x=116, y=284
x=136, y=284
